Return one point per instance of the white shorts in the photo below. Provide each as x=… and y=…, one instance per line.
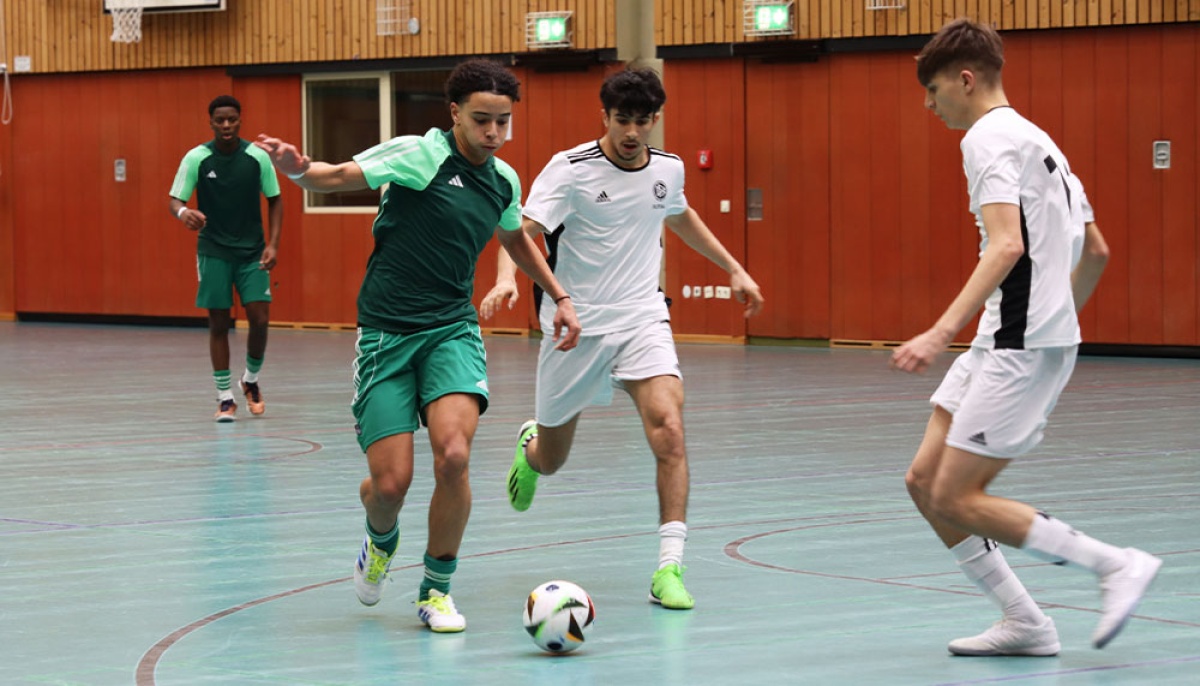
x=568, y=382
x=1001, y=399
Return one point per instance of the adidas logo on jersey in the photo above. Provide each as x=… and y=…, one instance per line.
x=978, y=438
x=456, y=181
x=212, y=174
x=603, y=197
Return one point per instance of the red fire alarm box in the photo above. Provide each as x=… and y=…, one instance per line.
x=704, y=159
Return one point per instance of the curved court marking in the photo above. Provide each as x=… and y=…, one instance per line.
x=198, y=438
x=733, y=550
x=147, y=666
x=1075, y=670
x=149, y=662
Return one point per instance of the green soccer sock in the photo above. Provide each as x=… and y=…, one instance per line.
x=221, y=379
x=386, y=542
x=253, y=364
x=437, y=575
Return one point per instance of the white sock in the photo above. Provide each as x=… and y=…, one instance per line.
x=249, y=376
x=224, y=395
x=982, y=562
x=1055, y=541
x=672, y=536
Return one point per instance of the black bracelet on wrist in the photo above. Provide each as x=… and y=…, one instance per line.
x=561, y=298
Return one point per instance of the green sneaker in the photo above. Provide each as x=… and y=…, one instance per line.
x=666, y=589
x=522, y=480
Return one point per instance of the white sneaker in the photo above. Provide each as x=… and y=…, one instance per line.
x=1121, y=591
x=370, y=571
x=1007, y=637
x=439, y=614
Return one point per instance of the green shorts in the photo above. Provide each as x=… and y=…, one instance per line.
x=219, y=277
x=397, y=375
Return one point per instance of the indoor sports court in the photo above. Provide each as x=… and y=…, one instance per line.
x=142, y=542
x=140, y=547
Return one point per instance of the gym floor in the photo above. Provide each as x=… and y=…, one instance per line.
x=142, y=543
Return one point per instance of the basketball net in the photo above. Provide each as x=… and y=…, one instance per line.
x=127, y=20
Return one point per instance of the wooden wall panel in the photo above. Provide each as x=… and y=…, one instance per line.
x=8, y=303
x=901, y=239
x=844, y=140
x=1112, y=182
x=706, y=109
x=73, y=35
x=1144, y=118
x=96, y=246
x=1180, y=188
x=788, y=158
x=682, y=22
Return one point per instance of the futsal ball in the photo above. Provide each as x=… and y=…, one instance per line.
x=557, y=615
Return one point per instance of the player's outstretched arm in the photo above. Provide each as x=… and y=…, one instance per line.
x=321, y=177
x=1091, y=265
x=526, y=255
x=1002, y=223
x=506, y=284
x=695, y=233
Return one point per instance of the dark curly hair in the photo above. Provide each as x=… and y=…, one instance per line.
x=224, y=101
x=637, y=92
x=481, y=76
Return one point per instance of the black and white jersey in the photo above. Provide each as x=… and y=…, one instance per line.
x=1007, y=159
x=609, y=254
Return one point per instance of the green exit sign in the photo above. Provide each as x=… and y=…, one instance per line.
x=551, y=30
x=772, y=17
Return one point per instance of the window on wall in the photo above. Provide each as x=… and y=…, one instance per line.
x=343, y=119
x=419, y=101
x=346, y=114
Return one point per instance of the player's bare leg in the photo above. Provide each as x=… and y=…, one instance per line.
x=453, y=420
x=219, y=323
x=258, y=317
x=660, y=403
x=390, y=463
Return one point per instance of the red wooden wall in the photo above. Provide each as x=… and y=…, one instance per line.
x=866, y=234
x=708, y=96
x=86, y=244
x=8, y=306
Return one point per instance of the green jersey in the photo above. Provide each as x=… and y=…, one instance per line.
x=436, y=217
x=227, y=188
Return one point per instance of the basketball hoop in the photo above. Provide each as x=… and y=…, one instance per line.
x=127, y=20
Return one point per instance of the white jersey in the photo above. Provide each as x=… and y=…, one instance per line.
x=609, y=253
x=1009, y=160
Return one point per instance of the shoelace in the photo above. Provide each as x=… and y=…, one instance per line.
x=378, y=568
x=252, y=391
x=442, y=604
x=226, y=405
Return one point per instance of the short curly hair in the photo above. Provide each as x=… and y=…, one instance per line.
x=633, y=91
x=962, y=44
x=224, y=101
x=480, y=75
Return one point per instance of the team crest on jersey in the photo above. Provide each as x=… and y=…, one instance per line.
x=660, y=190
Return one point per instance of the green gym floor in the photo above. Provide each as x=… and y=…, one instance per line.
x=141, y=543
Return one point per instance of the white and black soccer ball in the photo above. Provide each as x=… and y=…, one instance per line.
x=557, y=615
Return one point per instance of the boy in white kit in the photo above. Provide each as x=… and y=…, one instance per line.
x=612, y=198
x=1041, y=256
